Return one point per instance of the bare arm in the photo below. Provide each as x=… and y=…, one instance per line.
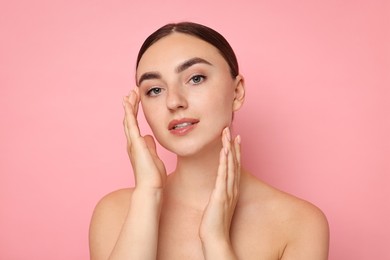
x=214, y=230
x=137, y=237
x=124, y=226
x=139, y=234
x=309, y=237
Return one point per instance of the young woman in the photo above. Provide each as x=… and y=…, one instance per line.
x=210, y=207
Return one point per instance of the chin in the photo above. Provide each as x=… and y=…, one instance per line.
x=183, y=150
x=194, y=148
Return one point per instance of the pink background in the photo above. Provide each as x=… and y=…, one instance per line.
x=315, y=123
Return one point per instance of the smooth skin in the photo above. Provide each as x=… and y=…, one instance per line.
x=209, y=207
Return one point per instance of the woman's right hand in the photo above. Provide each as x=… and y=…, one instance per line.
x=149, y=170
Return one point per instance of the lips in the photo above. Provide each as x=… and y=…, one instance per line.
x=182, y=126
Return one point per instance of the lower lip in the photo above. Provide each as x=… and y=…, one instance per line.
x=184, y=130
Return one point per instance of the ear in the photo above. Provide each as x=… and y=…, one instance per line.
x=239, y=93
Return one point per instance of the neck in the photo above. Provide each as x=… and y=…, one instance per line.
x=194, y=176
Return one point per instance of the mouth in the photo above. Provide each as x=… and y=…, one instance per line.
x=182, y=125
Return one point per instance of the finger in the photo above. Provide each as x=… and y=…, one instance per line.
x=151, y=144
x=126, y=123
x=237, y=149
x=124, y=119
x=220, y=182
x=137, y=100
x=134, y=100
x=131, y=107
x=231, y=169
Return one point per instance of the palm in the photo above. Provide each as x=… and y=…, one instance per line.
x=149, y=170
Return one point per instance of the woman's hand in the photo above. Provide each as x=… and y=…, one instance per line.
x=215, y=226
x=138, y=237
x=149, y=170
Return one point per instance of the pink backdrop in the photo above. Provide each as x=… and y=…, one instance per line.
x=315, y=123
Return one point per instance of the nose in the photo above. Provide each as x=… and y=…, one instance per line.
x=176, y=99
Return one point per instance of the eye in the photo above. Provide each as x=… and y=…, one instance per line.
x=197, y=79
x=154, y=92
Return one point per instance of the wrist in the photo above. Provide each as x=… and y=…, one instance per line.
x=147, y=200
x=145, y=209
x=146, y=193
x=218, y=249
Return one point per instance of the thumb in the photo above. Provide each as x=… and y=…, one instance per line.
x=151, y=144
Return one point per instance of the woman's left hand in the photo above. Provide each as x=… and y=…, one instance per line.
x=214, y=229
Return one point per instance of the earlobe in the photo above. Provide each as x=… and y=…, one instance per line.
x=239, y=93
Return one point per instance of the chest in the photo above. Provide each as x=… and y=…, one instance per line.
x=252, y=238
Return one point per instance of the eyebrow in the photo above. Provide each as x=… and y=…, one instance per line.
x=182, y=67
x=185, y=65
x=149, y=75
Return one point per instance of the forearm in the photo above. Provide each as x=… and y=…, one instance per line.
x=218, y=250
x=139, y=235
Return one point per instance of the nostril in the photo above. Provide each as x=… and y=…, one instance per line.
x=176, y=100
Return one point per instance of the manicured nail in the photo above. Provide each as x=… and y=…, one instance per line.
x=238, y=139
x=132, y=97
x=229, y=137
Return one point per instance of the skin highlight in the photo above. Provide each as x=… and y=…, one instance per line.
x=209, y=207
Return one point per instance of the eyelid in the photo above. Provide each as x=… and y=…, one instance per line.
x=151, y=89
x=204, y=77
x=150, y=84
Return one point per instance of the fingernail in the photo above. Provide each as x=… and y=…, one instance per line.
x=238, y=139
x=132, y=97
x=228, y=134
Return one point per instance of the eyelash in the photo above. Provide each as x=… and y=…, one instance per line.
x=151, y=91
x=203, y=78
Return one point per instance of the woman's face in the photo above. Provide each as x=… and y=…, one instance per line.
x=187, y=93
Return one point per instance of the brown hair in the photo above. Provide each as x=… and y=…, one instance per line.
x=200, y=31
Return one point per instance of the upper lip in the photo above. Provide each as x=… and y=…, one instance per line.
x=175, y=122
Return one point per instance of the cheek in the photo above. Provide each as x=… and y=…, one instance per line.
x=151, y=114
x=224, y=98
x=220, y=108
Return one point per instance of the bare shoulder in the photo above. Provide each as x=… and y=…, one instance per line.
x=302, y=226
x=114, y=199
x=307, y=229
x=107, y=220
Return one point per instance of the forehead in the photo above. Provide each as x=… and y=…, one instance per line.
x=176, y=48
